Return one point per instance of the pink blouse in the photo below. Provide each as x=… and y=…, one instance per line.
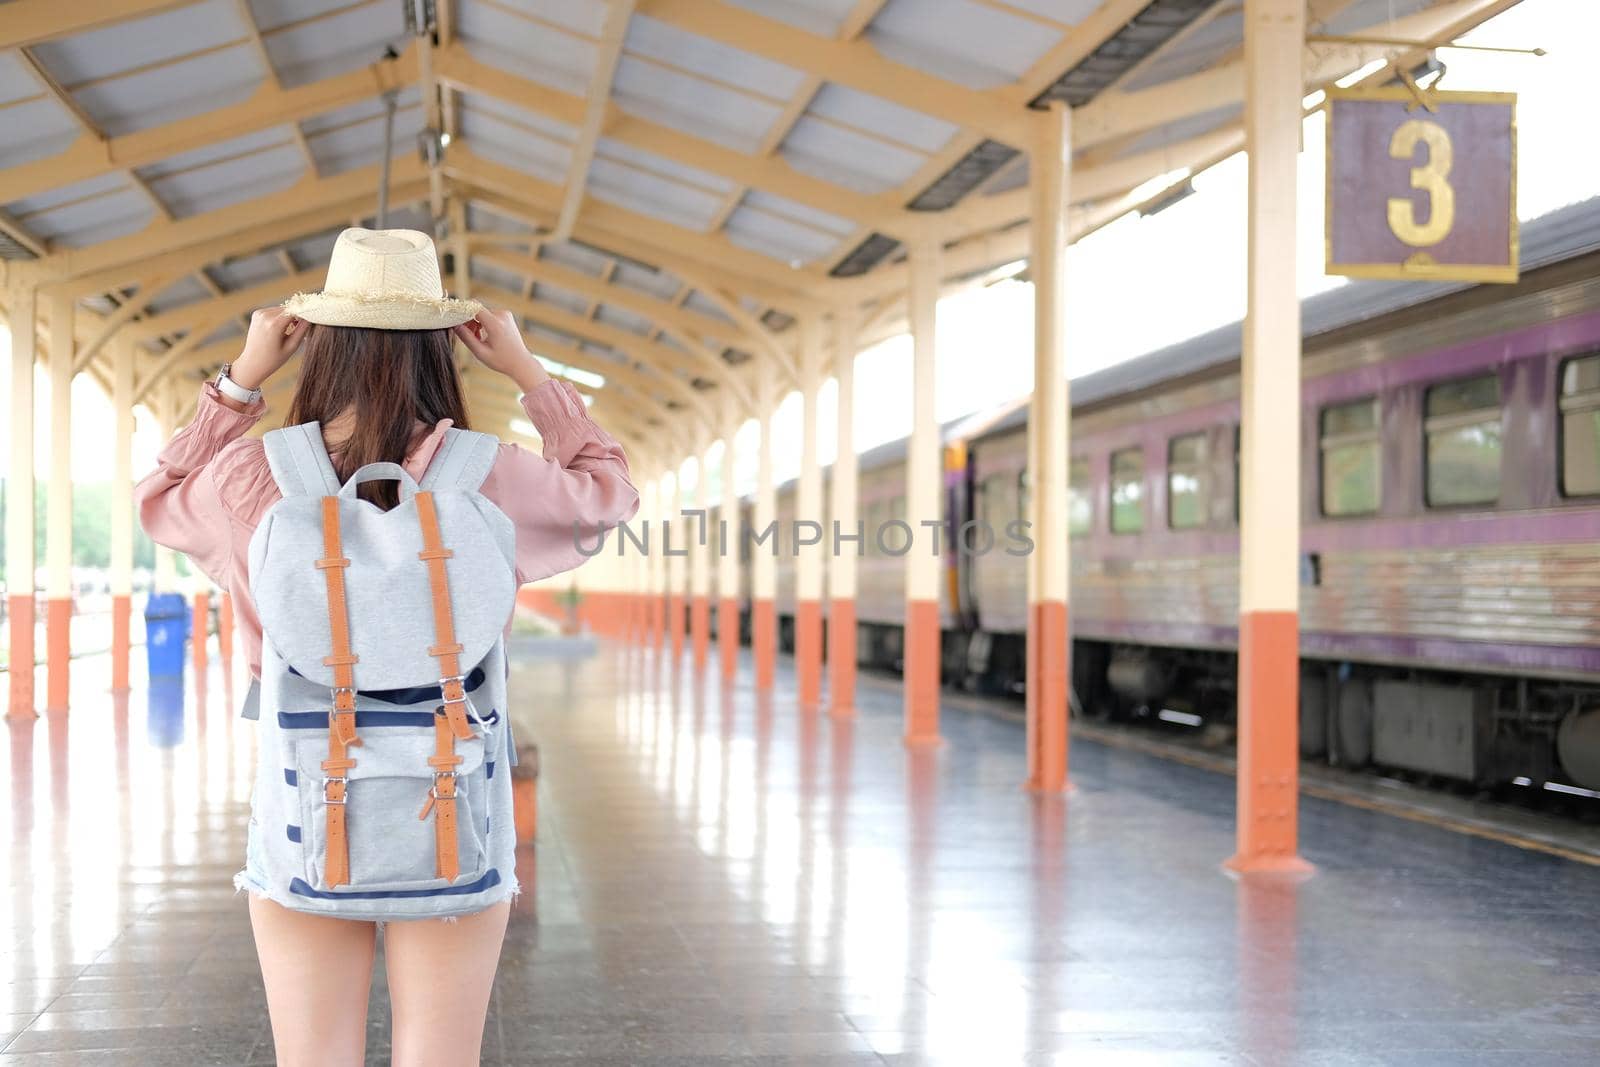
x=212, y=485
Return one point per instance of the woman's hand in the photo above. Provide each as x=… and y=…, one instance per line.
x=494, y=340
x=273, y=338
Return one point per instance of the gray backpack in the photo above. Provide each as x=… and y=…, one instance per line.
x=382, y=787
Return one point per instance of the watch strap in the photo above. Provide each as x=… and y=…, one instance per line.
x=234, y=391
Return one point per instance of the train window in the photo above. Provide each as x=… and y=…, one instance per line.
x=1080, y=499
x=997, y=504
x=1462, y=425
x=1186, y=481
x=1127, y=491
x=1580, y=426
x=1352, y=458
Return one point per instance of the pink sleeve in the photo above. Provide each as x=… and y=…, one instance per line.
x=563, y=500
x=179, y=503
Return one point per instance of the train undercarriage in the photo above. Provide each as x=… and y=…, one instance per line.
x=1479, y=730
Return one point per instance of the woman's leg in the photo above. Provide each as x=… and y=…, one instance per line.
x=318, y=972
x=440, y=975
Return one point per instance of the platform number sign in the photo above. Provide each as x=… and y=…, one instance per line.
x=1422, y=186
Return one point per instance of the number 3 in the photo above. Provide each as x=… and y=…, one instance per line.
x=1432, y=178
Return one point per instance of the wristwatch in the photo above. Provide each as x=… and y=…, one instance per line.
x=233, y=390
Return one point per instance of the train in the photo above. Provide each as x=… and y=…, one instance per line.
x=1450, y=549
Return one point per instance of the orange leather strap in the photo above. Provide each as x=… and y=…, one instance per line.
x=442, y=799
x=342, y=718
x=451, y=721
x=447, y=651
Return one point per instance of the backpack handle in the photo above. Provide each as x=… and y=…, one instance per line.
x=380, y=472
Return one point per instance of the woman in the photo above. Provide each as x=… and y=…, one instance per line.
x=378, y=374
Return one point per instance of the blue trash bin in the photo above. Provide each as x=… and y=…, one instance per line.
x=166, y=628
x=165, y=707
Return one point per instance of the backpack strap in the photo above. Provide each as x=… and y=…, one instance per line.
x=450, y=719
x=462, y=462
x=299, y=461
x=342, y=716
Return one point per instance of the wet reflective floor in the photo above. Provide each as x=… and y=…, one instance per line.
x=721, y=879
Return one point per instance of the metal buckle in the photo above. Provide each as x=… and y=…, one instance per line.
x=326, y=782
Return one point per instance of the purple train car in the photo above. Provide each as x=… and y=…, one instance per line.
x=1450, y=500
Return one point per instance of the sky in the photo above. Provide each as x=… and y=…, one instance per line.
x=1134, y=286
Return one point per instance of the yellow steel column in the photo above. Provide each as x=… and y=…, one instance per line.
x=842, y=498
x=699, y=535
x=1269, y=514
x=58, y=508
x=727, y=546
x=808, y=509
x=763, y=562
x=122, y=356
x=1049, y=642
x=681, y=532
x=923, y=506
x=21, y=311
x=652, y=562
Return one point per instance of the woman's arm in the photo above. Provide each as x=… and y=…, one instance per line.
x=178, y=503
x=561, y=501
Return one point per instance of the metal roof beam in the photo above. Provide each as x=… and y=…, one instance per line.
x=667, y=314
x=608, y=54
x=90, y=157
x=133, y=254
x=769, y=173
x=855, y=63
x=270, y=232
x=30, y=22
x=1117, y=114
x=238, y=302
x=629, y=229
x=659, y=357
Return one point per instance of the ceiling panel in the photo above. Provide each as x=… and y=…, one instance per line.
x=821, y=17
x=847, y=158
x=305, y=50
x=976, y=45
x=528, y=49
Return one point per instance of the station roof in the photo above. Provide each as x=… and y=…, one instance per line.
x=660, y=188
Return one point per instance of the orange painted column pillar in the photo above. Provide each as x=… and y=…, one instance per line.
x=1049, y=643
x=808, y=511
x=1269, y=511
x=763, y=556
x=842, y=495
x=676, y=536
x=197, y=636
x=21, y=310
x=727, y=548
x=122, y=357
x=58, y=503
x=121, y=639
x=225, y=628
x=697, y=532
x=924, y=504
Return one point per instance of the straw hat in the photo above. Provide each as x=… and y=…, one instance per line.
x=383, y=280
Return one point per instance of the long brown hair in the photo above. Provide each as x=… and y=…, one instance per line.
x=387, y=380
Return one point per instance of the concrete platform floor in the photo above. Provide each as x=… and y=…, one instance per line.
x=722, y=879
